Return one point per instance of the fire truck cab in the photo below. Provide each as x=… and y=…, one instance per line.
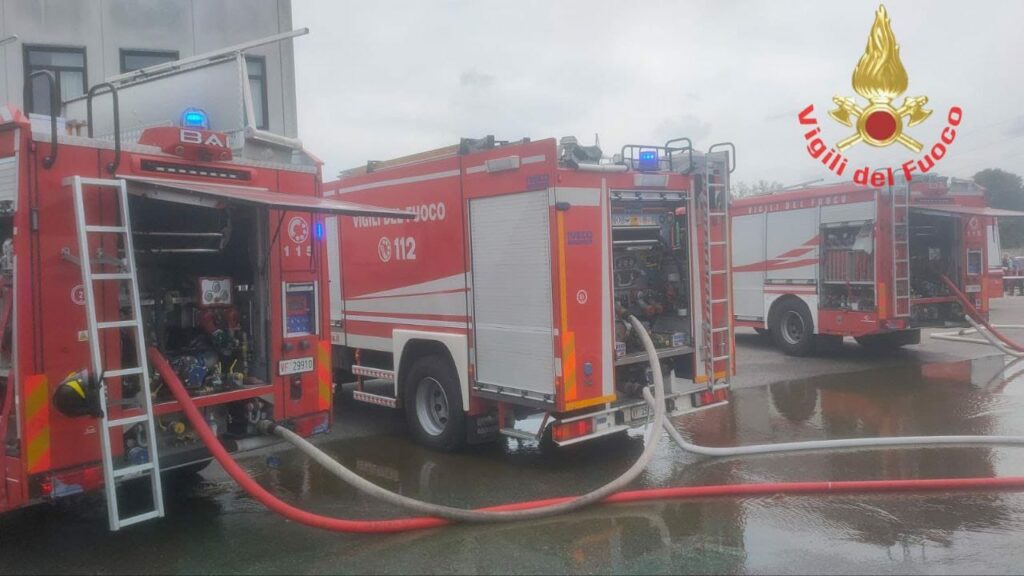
x=153, y=215
x=507, y=297
x=817, y=264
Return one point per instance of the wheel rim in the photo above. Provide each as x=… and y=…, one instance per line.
x=793, y=328
x=432, y=406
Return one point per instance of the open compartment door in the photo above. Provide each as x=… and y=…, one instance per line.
x=216, y=195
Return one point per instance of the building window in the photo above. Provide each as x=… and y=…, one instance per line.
x=67, y=65
x=132, y=60
x=257, y=66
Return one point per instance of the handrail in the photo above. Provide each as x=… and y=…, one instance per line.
x=112, y=167
x=689, y=149
x=732, y=154
x=54, y=110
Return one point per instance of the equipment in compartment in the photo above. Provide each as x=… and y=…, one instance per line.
x=848, y=266
x=650, y=281
x=197, y=299
x=932, y=255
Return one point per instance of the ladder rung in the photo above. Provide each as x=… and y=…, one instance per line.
x=117, y=324
x=132, y=470
x=717, y=214
x=717, y=243
x=720, y=301
x=122, y=372
x=112, y=276
x=720, y=329
x=138, y=518
x=127, y=421
x=719, y=271
x=720, y=358
x=118, y=229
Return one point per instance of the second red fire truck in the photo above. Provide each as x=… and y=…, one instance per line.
x=818, y=264
x=507, y=296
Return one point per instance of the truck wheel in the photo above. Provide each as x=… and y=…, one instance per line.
x=793, y=329
x=433, y=404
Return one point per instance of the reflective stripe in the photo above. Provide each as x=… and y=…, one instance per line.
x=323, y=375
x=587, y=402
x=77, y=388
x=568, y=338
x=569, y=362
x=37, y=423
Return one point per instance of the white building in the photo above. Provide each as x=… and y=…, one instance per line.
x=86, y=41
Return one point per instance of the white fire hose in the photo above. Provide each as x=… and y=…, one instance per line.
x=464, y=515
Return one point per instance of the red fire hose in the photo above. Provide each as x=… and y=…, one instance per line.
x=673, y=493
x=966, y=302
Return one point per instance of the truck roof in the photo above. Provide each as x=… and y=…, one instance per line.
x=800, y=193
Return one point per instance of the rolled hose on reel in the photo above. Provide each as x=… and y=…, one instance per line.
x=608, y=493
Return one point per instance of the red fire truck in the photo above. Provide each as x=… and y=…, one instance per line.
x=506, y=297
x=151, y=221
x=822, y=263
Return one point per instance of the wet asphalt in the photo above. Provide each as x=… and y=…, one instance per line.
x=935, y=388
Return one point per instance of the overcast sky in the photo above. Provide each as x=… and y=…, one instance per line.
x=377, y=80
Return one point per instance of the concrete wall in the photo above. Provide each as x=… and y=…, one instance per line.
x=104, y=27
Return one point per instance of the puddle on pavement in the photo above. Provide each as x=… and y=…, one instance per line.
x=212, y=526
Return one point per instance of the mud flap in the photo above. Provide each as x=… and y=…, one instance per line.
x=482, y=428
x=909, y=337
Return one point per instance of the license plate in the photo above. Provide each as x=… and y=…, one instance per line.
x=639, y=412
x=295, y=366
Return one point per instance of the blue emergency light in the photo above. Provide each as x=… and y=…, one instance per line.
x=648, y=160
x=318, y=230
x=195, y=118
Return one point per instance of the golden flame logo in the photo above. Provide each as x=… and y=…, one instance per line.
x=879, y=77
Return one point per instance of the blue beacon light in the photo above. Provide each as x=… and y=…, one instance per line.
x=649, y=160
x=195, y=118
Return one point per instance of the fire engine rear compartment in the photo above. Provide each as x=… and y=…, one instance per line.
x=933, y=241
x=203, y=287
x=651, y=280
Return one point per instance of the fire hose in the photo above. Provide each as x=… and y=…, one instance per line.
x=978, y=318
x=608, y=493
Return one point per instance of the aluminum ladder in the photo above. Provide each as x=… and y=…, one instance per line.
x=901, y=249
x=717, y=317
x=115, y=472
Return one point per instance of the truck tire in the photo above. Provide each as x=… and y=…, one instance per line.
x=433, y=404
x=793, y=328
x=889, y=342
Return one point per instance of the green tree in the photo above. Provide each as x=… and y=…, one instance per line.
x=1005, y=190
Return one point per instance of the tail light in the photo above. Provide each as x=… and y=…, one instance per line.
x=71, y=482
x=564, y=432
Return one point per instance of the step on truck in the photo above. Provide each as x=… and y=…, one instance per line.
x=506, y=299
x=153, y=214
x=814, y=265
